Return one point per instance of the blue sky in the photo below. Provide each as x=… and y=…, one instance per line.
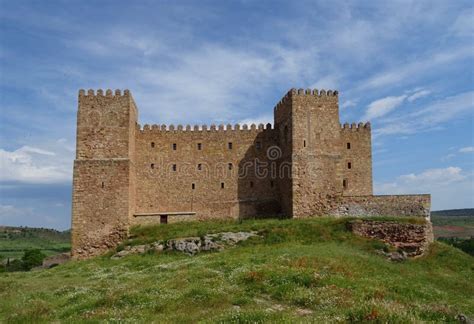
x=407, y=66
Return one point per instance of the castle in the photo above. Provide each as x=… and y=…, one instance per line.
x=307, y=164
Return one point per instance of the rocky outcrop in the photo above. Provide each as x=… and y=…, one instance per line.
x=408, y=239
x=189, y=245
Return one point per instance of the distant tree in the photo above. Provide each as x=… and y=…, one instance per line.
x=15, y=265
x=32, y=258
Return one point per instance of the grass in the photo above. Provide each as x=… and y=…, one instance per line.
x=310, y=270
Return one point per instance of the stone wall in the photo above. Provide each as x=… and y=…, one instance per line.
x=389, y=205
x=410, y=238
x=220, y=172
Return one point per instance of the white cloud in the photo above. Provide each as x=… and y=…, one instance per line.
x=418, y=95
x=464, y=24
x=430, y=117
x=33, y=165
x=381, y=107
x=467, y=149
x=263, y=119
x=450, y=187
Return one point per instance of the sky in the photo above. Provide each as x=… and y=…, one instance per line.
x=407, y=66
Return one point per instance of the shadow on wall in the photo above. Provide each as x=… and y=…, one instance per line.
x=257, y=184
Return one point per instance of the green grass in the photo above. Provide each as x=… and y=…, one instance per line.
x=15, y=240
x=313, y=266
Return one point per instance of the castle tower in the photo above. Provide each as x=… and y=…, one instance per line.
x=309, y=135
x=104, y=174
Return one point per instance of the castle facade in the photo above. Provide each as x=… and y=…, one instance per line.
x=307, y=164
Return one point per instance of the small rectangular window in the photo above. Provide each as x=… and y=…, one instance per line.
x=174, y=146
x=251, y=184
x=230, y=166
x=348, y=146
x=193, y=186
x=304, y=143
x=271, y=184
x=199, y=166
x=229, y=145
x=258, y=145
x=349, y=165
x=152, y=165
x=199, y=146
x=152, y=144
x=163, y=219
x=222, y=185
x=174, y=167
x=344, y=183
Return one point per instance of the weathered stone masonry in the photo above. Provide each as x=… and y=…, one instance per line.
x=307, y=164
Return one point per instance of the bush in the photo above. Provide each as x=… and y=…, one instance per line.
x=466, y=245
x=32, y=258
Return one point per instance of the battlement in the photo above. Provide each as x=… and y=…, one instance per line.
x=355, y=127
x=204, y=128
x=100, y=93
x=321, y=94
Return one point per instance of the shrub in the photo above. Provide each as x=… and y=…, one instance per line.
x=32, y=258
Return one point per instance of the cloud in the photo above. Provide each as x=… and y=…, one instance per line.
x=381, y=107
x=263, y=119
x=463, y=25
x=450, y=187
x=418, y=95
x=467, y=149
x=33, y=165
x=430, y=117
x=348, y=104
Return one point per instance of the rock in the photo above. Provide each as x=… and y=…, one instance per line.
x=189, y=245
x=157, y=247
x=397, y=256
x=461, y=318
x=208, y=244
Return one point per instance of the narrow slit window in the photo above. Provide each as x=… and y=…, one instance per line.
x=199, y=146
x=152, y=144
x=229, y=145
x=271, y=184
x=152, y=165
x=230, y=166
x=193, y=186
x=349, y=165
x=174, y=167
x=258, y=145
x=344, y=183
x=348, y=146
x=304, y=143
x=174, y=146
x=199, y=166
x=222, y=185
x=251, y=184
x=102, y=185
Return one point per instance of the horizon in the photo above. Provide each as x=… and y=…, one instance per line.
x=406, y=66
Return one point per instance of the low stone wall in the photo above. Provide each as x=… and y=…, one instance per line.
x=413, y=239
x=389, y=205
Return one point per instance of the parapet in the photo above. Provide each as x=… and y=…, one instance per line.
x=355, y=127
x=204, y=128
x=306, y=92
x=100, y=93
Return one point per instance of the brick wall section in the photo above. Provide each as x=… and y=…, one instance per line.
x=411, y=238
x=204, y=159
x=358, y=157
x=389, y=205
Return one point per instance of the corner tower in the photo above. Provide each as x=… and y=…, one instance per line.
x=104, y=171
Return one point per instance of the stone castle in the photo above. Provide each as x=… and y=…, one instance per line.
x=307, y=164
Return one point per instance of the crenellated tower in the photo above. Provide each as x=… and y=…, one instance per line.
x=104, y=171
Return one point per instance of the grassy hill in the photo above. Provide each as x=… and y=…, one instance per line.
x=297, y=271
x=14, y=240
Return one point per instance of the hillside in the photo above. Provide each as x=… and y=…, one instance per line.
x=453, y=223
x=297, y=270
x=14, y=240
